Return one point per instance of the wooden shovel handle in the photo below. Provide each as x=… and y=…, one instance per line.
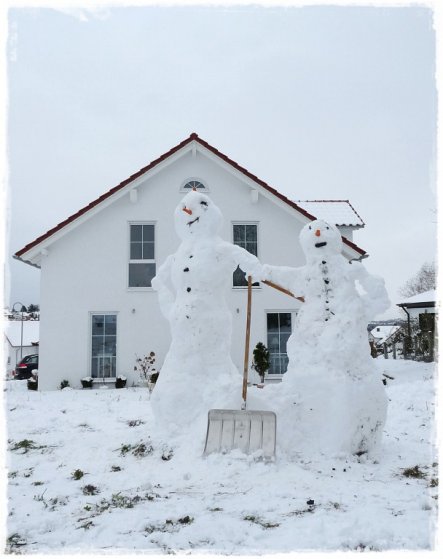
x=248, y=336
x=283, y=290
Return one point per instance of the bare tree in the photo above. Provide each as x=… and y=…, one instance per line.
x=424, y=280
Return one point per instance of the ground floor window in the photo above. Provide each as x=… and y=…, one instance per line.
x=279, y=327
x=104, y=345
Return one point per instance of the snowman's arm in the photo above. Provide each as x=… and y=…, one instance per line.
x=284, y=276
x=249, y=263
x=376, y=297
x=160, y=283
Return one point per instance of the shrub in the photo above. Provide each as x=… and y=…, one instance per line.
x=145, y=367
x=64, y=384
x=261, y=361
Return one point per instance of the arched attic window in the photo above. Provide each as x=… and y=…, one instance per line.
x=191, y=184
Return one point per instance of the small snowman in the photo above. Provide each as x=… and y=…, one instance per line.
x=331, y=398
x=198, y=373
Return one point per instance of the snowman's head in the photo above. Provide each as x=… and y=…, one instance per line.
x=197, y=217
x=319, y=239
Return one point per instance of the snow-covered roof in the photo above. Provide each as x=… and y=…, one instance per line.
x=337, y=212
x=425, y=297
x=384, y=332
x=30, y=332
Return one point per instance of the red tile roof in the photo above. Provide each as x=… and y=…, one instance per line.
x=192, y=137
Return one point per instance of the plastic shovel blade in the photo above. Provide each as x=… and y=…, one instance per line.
x=247, y=431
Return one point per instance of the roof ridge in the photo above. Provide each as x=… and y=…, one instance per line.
x=192, y=137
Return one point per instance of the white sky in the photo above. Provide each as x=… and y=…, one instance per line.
x=320, y=102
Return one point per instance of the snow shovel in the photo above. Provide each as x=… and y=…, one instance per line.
x=249, y=431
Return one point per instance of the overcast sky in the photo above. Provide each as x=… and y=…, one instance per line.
x=320, y=102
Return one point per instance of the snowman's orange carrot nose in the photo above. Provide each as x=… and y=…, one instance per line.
x=187, y=210
x=317, y=233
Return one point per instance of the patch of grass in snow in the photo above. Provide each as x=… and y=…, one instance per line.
x=167, y=454
x=135, y=422
x=414, y=472
x=37, y=483
x=117, y=501
x=14, y=542
x=25, y=445
x=433, y=482
x=53, y=503
x=257, y=520
x=90, y=490
x=139, y=450
x=170, y=525
x=77, y=474
x=116, y=469
x=86, y=525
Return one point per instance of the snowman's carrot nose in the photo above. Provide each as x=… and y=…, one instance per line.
x=317, y=233
x=187, y=210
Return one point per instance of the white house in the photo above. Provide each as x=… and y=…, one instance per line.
x=21, y=338
x=422, y=303
x=384, y=334
x=103, y=258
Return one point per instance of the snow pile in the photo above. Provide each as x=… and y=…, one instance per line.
x=87, y=475
x=330, y=400
x=198, y=373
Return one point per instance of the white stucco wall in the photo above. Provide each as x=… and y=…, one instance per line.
x=86, y=271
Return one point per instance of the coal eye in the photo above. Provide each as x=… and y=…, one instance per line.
x=203, y=203
x=310, y=227
x=327, y=227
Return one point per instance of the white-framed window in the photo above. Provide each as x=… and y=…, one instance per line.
x=244, y=235
x=103, y=345
x=191, y=183
x=278, y=330
x=142, y=267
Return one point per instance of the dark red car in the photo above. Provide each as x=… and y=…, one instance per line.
x=26, y=366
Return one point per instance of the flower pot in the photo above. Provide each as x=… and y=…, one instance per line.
x=32, y=384
x=120, y=382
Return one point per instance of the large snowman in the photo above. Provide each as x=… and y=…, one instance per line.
x=198, y=373
x=331, y=398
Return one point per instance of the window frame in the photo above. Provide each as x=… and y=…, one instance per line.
x=91, y=314
x=138, y=260
x=293, y=313
x=244, y=222
x=189, y=179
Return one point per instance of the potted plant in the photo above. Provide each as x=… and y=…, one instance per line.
x=261, y=361
x=33, y=381
x=87, y=382
x=145, y=367
x=120, y=381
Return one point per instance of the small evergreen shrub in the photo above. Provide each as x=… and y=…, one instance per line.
x=261, y=362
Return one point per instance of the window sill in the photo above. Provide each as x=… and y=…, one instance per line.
x=129, y=289
x=270, y=378
x=245, y=287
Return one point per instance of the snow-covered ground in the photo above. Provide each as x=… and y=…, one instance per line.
x=132, y=497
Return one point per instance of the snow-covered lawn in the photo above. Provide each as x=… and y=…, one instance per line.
x=132, y=497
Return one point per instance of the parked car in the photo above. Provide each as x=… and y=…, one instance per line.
x=24, y=368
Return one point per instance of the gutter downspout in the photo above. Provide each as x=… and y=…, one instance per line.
x=409, y=320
